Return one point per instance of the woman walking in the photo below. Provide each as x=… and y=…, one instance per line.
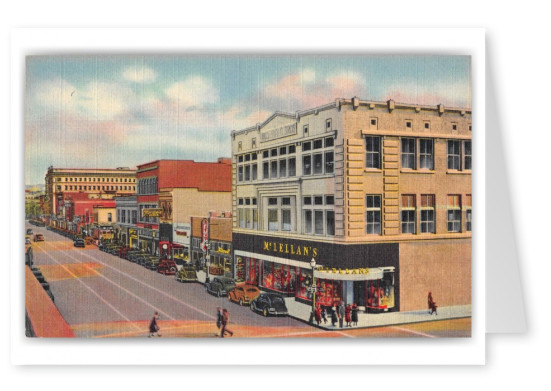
x=225, y=321
x=355, y=314
x=347, y=314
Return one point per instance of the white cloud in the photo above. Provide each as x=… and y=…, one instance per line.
x=195, y=91
x=140, y=74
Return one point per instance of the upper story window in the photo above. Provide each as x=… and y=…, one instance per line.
x=426, y=154
x=282, y=167
x=408, y=153
x=468, y=212
x=427, y=213
x=328, y=125
x=468, y=154
x=373, y=152
x=373, y=214
x=318, y=215
x=454, y=213
x=454, y=155
x=320, y=161
x=408, y=214
x=305, y=129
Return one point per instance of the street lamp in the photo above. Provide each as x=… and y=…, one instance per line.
x=313, y=265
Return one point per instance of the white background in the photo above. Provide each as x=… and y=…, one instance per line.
x=516, y=50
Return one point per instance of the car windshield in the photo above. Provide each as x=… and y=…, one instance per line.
x=251, y=290
x=276, y=300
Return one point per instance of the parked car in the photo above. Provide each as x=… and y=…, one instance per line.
x=167, y=266
x=269, y=304
x=131, y=253
x=244, y=294
x=123, y=251
x=186, y=273
x=135, y=255
x=220, y=286
x=152, y=262
x=29, y=232
x=79, y=243
x=38, y=238
x=27, y=241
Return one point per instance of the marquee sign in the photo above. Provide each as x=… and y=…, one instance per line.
x=152, y=212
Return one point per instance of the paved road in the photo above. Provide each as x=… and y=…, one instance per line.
x=101, y=295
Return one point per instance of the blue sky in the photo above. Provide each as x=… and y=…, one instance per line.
x=112, y=111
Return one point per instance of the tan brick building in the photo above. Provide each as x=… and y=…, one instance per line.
x=378, y=193
x=62, y=183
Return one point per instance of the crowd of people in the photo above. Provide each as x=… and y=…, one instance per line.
x=338, y=313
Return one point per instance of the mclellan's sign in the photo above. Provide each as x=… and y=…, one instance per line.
x=292, y=249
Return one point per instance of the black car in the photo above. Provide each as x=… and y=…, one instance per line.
x=220, y=286
x=269, y=304
x=79, y=243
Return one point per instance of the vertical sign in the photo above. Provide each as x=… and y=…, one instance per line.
x=204, y=234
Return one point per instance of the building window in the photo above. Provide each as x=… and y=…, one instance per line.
x=330, y=222
x=328, y=126
x=426, y=154
x=454, y=213
x=318, y=164
x=272, y=220
x=239, y=146
x=247, y=173
x=373, y=214
x=468, y=212
x=427, y=213
x=240, y=174
x=318, y=222
x=307, y=221
x=266, y=170
x=373, y=152
x=253, y=143
x=254, y=169
x=307, y=165
x=468, y=155
x=408, y=214
x=408, y=153
x=454, y=155
x=292, y=167
x=329, y=162
x=273, y=169
x=109, y=217
x=282, y=168
x=408, y=125
x=305, y=130
x=427, y=125
x=454, y=126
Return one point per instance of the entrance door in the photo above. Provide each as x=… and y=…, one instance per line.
x=359, y=293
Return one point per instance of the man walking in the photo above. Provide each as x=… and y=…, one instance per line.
x=225, y=321
x=153, y=326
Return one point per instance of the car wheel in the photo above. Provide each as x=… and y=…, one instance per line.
x=240, y=301
x=265, y=312
x=172, y=269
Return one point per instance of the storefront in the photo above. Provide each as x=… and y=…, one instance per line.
x=365, y=274
x=148, y=240
x=181, y=240
x=220, y=258
x=133, y=238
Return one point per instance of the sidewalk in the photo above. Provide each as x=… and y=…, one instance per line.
x=301, y=311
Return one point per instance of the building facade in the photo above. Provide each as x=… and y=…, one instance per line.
x=169, y=192
x=211, y=239
x=95, y=183
x=127, y=217
x=377, y=193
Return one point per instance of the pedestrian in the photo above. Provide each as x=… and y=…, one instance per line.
x=324, y=315
x=341, y=314
x=225, y=321
x=334, y=315
x=355, y=314
x=347, y=314
x=218, y=317
x=317, y=314
x=432, y=305
x=153, y=326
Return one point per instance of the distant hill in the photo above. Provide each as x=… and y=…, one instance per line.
x=34, y=187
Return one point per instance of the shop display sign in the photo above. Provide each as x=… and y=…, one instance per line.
x=151, y=212
x=204, y=233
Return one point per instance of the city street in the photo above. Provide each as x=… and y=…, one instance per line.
x=101, y=295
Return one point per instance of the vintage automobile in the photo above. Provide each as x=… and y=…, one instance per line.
x=79, y=243
x=133, y=257
x=151, y=262
x=244, y=294
x=186, y=273
x=131, y=253
x=167, y=266
x=29, y=232
x=220, y=286
x=27, y=241
x=269, y=304
x=38, y=238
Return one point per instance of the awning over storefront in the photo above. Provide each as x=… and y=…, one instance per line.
x=359, y=274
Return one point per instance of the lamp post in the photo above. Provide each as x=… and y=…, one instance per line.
x=313, y=265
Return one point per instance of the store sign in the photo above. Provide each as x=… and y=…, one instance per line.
x=152, y=212
x=204, y=234
x=292, y=249
x=274, y=134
